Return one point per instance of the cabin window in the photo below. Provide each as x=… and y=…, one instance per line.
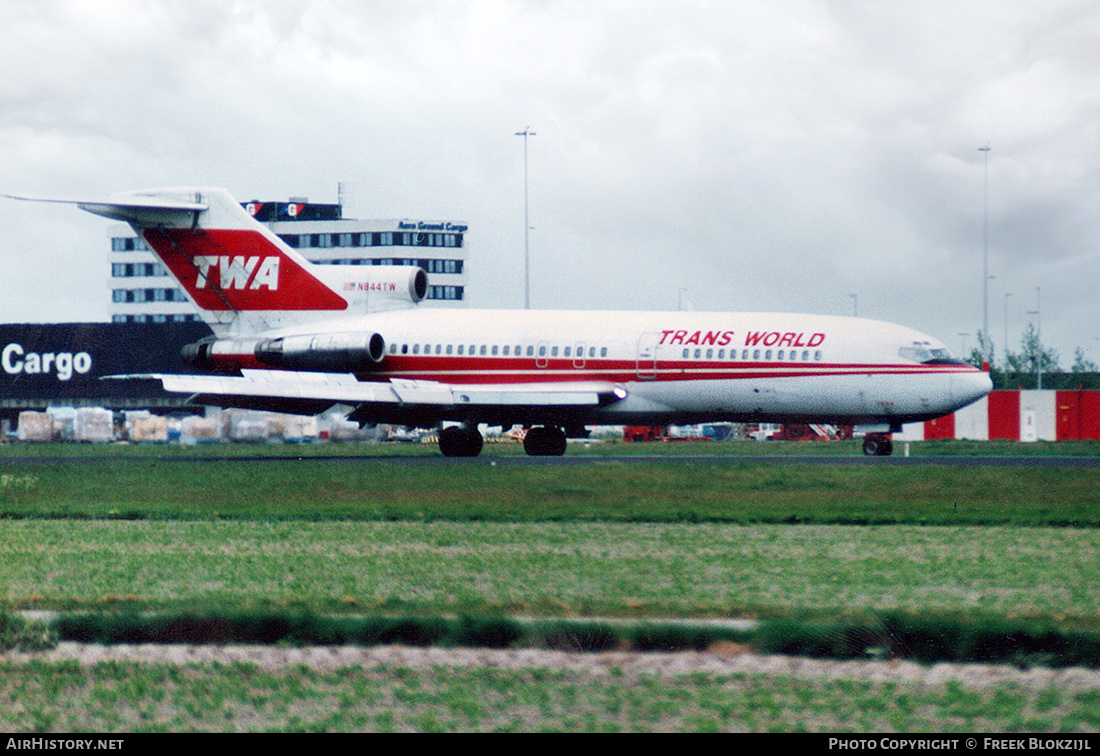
x=603, y=352
x=460, y=348
x=506, y=348
x=687, y=353
x=450, y=348
x=531, y=351
x=710, y=354
x=805, y=355
x=781, y=355
x=404, y=349
x=482, y=350
x=494, y=350
x=416, y=349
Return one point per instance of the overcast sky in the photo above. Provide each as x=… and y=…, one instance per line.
x=800, y=155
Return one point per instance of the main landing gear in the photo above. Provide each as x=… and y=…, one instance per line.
x=457, y=441
x=540, y=441
x=544, y=441
x=877, y=445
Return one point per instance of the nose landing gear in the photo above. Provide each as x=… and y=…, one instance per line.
x=877, y=445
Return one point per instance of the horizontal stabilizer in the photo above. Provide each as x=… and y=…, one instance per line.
x=140, y=208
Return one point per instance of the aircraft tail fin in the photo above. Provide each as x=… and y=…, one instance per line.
x=241, y=276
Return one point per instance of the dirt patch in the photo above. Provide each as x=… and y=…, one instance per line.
x=723, y=660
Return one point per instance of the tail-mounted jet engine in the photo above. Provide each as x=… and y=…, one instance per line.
x=323, y=353
x=319, y=353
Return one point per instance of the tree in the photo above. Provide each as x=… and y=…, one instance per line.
x=1032, y=356
x=1082, y=364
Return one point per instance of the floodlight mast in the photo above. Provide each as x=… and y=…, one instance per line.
x=986, y=343
x=526, y=224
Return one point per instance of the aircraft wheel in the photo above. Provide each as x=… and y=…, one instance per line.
x=544, y=441
x=877, y=446
x=460, y=442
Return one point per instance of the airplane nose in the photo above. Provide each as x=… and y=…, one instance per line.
x=967, y=388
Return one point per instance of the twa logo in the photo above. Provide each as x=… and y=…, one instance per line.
x=239, y=272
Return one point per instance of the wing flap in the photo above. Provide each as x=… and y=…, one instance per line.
x=278, y=384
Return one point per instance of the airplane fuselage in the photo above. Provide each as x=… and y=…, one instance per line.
x=669, y=367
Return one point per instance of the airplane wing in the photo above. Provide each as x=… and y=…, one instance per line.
x=310, y=393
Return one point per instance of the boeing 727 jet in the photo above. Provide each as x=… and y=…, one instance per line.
x=299, y=337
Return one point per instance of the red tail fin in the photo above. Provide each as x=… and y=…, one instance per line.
x=239, y=269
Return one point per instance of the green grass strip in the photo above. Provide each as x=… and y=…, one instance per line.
x=611, y=490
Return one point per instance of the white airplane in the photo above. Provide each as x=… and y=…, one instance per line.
x=298, y=337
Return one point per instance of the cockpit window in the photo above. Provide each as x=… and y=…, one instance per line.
x=926, y=354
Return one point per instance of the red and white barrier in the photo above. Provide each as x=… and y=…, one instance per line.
x=1017, y=416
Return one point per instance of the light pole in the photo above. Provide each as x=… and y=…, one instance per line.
x=855, y=305
x=1005, y=347
x=985, y=341
x=1038, y=313
x=526, y=225
x=963, y=336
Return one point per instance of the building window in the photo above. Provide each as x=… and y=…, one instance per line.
x=123, y=244
x=451, y=293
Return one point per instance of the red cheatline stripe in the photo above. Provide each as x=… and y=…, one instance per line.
x=504, y=370
x=513, y=370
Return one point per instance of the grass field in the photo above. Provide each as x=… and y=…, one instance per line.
x=190, y=484
x=358, y=529
x=569, y=568
x=132, y=697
